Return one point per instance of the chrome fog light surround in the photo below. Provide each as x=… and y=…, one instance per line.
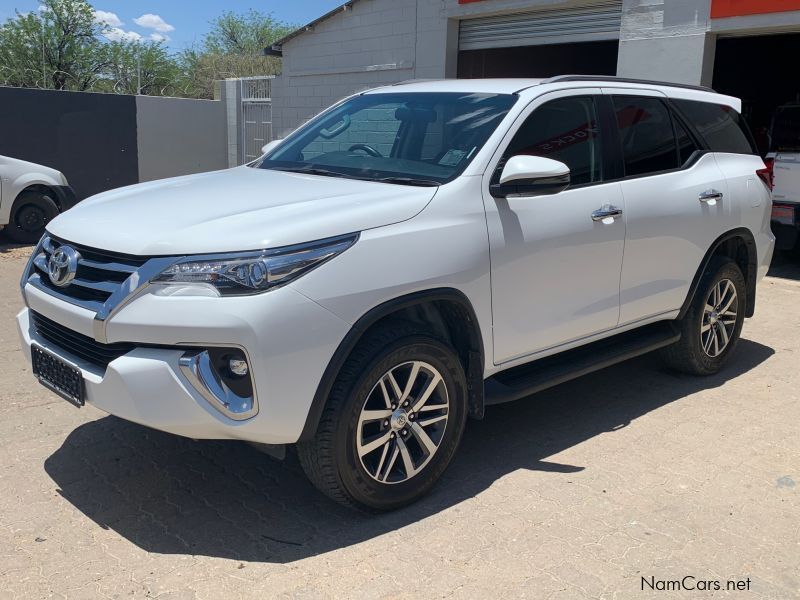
x=198, y=368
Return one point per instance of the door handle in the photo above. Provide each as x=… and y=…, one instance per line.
x=710, y=195
x=605, y=212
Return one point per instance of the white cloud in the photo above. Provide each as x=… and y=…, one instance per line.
x=115, y=34
x=105, y=17
x=42, y=8
x=151, y=21
x=159, y=37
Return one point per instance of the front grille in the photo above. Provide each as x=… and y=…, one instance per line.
x=75, y=343
x=99, y=274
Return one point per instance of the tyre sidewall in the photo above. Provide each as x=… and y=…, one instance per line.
x=358, y=483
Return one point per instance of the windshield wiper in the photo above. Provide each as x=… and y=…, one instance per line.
x=409, y=181
x=313, y=171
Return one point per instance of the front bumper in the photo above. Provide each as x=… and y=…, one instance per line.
x=288, y=339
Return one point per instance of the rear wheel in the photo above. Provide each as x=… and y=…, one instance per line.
x=30, y=214
x=711, y=327
x=392, y=423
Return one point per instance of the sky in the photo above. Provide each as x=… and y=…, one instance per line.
x=179, y=23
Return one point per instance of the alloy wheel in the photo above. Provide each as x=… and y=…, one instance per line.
x=402, y=422
x=719, y=318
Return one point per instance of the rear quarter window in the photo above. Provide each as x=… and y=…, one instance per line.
x=722, y=128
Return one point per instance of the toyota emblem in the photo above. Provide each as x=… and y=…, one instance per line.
x=63, y=265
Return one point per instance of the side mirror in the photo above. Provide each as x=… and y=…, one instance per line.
x=531, y=176
x=269, y=146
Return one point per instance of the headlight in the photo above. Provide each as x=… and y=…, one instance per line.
x=253, y=272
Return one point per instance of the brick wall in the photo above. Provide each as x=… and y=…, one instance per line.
x=376, y=42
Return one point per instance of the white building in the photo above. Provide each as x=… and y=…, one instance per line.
x=734, y=45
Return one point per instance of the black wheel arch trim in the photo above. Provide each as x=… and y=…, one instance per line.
x=473, y=370
x=65, y=197
x=750, y=277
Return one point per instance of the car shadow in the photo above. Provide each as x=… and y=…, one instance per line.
x=784, y=267
x=168, y=494
x=7, y=246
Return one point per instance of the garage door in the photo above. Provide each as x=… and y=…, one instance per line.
x=593, y=22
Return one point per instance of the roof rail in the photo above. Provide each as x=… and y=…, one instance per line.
x=612, y=78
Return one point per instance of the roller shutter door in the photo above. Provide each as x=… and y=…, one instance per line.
x=591, y=22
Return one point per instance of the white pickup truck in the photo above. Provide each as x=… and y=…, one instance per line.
x=785, y=160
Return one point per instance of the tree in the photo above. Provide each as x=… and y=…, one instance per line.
x=138, y=67
x=232, y=48
x=62, y=46
x=58, y=47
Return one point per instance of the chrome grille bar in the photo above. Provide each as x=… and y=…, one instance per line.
x=104, y=281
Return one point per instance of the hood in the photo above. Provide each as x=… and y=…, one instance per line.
x=16, y=167
x=233, y=210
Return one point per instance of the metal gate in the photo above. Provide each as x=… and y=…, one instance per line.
x=256, y=93
x=591, y=22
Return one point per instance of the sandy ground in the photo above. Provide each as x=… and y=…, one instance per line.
x=579, y=492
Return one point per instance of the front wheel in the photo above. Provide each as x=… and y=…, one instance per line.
x=712, y=325
x=392, y=423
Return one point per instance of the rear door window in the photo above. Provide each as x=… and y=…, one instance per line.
x=646, y=135
x=720, y=126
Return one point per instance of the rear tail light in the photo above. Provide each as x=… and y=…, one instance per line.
x=767, y=174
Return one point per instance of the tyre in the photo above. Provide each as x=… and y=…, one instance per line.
x=392, y=423
x=712, y=325
x=31, y=213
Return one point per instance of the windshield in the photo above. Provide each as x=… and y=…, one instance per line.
x=411, y=138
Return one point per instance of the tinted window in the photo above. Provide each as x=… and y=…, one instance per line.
x=422, y=137
x=564, y=130
x=686, y=146
x=645, y=131
x=720, y=126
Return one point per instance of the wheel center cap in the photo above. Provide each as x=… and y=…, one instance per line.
x=713, y=317
x=399, y=419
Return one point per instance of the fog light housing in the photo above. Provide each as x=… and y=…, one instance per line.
x=223, y=378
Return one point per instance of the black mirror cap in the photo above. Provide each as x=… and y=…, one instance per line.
x=523, y=188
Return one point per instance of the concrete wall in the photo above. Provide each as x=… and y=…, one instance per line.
x=675, y=40
x=667, y=40
x=376, y=42
x=104, y=141
x=91, y=138
x=177, y=136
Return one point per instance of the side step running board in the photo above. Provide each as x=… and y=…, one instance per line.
x=518, y=382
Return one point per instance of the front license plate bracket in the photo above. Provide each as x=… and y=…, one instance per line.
x=58, y=376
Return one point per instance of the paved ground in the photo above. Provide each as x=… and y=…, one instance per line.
x=629, y=473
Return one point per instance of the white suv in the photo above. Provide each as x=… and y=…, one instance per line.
x=408, y=257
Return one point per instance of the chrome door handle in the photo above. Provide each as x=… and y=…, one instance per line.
x=605, y=212
x=709, y=195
